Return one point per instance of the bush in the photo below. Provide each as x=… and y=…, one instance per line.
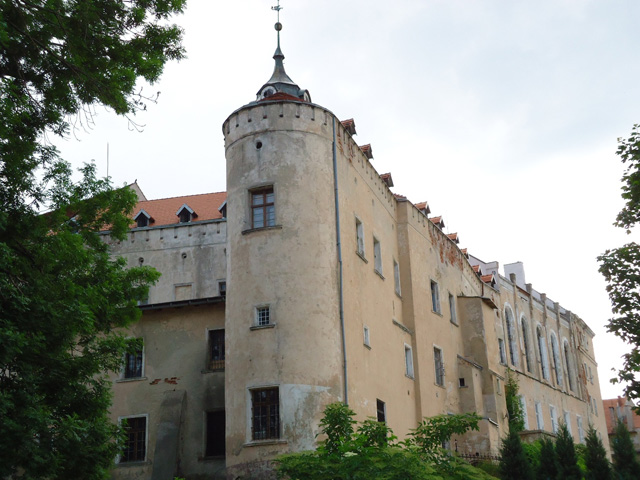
x=514, y=464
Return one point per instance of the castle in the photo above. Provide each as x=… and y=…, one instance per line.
x=309, y=282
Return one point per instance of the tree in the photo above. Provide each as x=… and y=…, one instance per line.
x=621, y=269
x=625, y=464
x=597, y=463
x=548, y=462
x=62, y=297
x=513, y=461
x=514, y=407
x=567, y=459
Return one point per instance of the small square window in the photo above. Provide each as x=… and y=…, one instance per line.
x=366, y=336
x=435, y=297
x=438, y=363
x=381, y=411
x=133, y=361
x=265, y=413
x=452, y=309
x=377, y=256
x=263, y=210
x=135, y=445
x=408, y=360
x=263, y=316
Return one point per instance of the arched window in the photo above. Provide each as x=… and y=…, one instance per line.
x=555, y=352
x=542, y=349
x=525, y=340
x=567, y=361
x=511, y=336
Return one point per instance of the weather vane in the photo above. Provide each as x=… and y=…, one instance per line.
x=277, y=8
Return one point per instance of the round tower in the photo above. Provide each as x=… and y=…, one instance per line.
x=283, y=331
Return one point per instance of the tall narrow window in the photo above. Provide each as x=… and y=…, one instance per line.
x=542, y=349
x=452, y=309
x=539, y=418
x=503, y=355
x=377, y=256
x=555, y=353
x=135, y=445
x=263, y=210
x=567, y=360
x=567, y=420
x=554, y=418
x=367, y=340
x=435, y=297
x=359, y=238
x=525, y=417
x=525, y=341
x=216, y=349
x=265, y=413
x=381, y=411
x=133, y=361
x=438, y=364
x=580, y=428
x=396, y=276
x=408, y=360
x=511, y=336
x=215, y=434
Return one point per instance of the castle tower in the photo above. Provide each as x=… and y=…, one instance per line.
x=283, y=332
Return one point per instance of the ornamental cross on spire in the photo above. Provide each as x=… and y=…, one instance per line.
x=277, y=8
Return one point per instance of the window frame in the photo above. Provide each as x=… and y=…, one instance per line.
x=360, y=243
x=523, y=407
x=408, y=361
x=215, y=364
x=268, y=214
x=120, y=459
x=580, y=428
x=502, y=351
x=557, y=360
x=438, y=367
x=377, y=256
x=542, y=350
x=381, y=411
x=553, y=414
x=452, y=309
x=396, y=277
x=258, y=317
x=539, y=416
x=268, y=435
x=126, y=372
x=524, y=327
x=435, y=298
x=512, y=345
x=366, y=336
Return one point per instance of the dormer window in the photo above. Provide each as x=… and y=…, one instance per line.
x=186, y=214
x=223, y=209
x=143, y=219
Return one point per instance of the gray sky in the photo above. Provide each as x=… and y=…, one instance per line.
x=503, y=115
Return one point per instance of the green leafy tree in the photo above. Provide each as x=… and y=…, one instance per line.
x=62, y=297
x=625, y=463
x=513, y=460
x=621, y=269
x=514, y=407
x=547, y=464
x=567, y=459
x=597, y=463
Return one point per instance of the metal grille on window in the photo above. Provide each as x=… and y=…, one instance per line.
x=134, y=446
x=263, y=316
x=265, y=414
x=133, y=364
x=216, y=349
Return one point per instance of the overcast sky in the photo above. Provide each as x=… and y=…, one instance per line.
x=503, y=115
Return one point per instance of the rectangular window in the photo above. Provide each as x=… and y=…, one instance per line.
x=580, y=428
x=438, y=363
x=265, y=413
x=366, y=336
x=435, y=297
x=133, y=362
x=215, y=434
x=567, y=421
x=263, y=316
x=554, y=418
x=503, y=355
x=263, y=210
x=590, y=376
x=612, y=414
x=462, y=382
x=222, y=288
x=359, y=238
x=525, y=417
x=396, y=276
x=595, y=406
x=377, y=256
x=135, y=445
x=408, y=360
x=381, y=411
x=539, y=418
x=216, y=349
x=452, y=309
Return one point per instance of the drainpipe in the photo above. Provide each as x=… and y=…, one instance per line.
x=339, y=245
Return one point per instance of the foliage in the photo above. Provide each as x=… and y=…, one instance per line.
x=514, y=407
x=625, y=463
x=490, y=468
x=596, y=461
x=567, y=459
x=514, y=464
x=621, y=269
x=369, y=451
x=547, y=463
x=61, y=295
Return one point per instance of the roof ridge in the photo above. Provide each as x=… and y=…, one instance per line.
x=182, y=196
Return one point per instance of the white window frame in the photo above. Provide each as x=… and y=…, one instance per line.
x=567, y=420
x=366, y=336
x=377, y=255
x=435, y=366
x=435, y=297
x=580, y=428
x=553, y=413
x=256, y=315
x=396, y=277
x=359, y=237
x=408, y=361
x=512, y=335
x=146, y=437
x=557, y=360
x=452, y=308
x=542, y=350
x=525, y=417
x=539, y=416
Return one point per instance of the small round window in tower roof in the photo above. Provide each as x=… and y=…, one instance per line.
x=267, y=92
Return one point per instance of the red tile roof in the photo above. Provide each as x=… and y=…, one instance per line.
x=386, y=178
x=438, y=221
x=163, y=211
x=280, y=96
x=423, y=207
x=366, y=149
x=488, y=279
x=476, y=268
x=454, y=237
x=349, y=125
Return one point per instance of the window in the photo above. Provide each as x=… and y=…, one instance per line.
x=568, y=365
x=503, y=355
x=133, y=361
x=554, y=418
x=439, y=366
x=366, y=336
x=377, y=256
x=542, y=349
x=523, y=407
x=222, y=288
x=590, y=376
x=612, y=414
x=408, y=360
x=580, y=428
x=263, y=316
x=555, y=353
x=462, y=382
x=263, y=209
x=135, y=445
x=186, y=214
x=452, y=309
x=215, y=434
x=396, y=276
x=435, y=297
x=359, y=238
x=595, y=406
x=381, y=411
x=539, y=418
x=525, y=341
x=511, y=336
x=143, y=221
x=216, y=349
x=567, y=421
x=265, y=413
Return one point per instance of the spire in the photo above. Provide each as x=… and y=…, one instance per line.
x=280, y=82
